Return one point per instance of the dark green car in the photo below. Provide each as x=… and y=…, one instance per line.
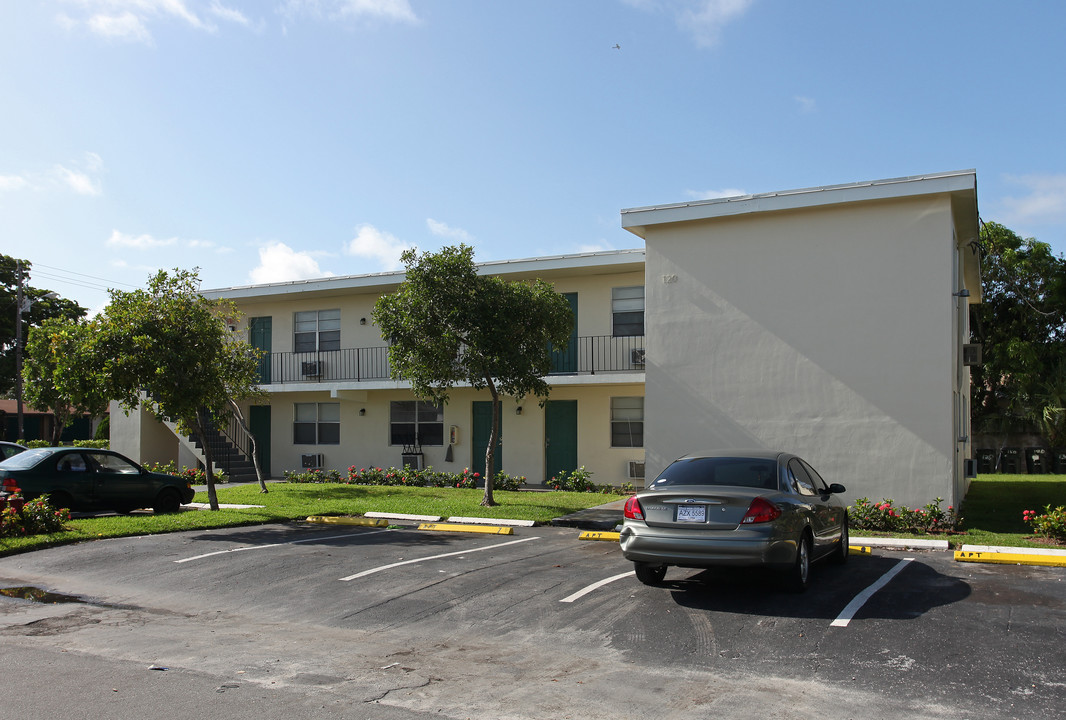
x=88, y=479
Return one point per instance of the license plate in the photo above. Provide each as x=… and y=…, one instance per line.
x=692, y=513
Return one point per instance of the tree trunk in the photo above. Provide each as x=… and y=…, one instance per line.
x=490, y=452
x=212, y=496
x=255, y=450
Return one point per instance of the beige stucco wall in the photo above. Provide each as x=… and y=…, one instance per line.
x=827, y=332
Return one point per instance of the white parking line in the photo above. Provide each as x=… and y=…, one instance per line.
x=853, y=607
x=371, y=571
x=264, y=547
x=585, y=591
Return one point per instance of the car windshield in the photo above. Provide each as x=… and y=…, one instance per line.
x=23, y=460
x=721, y=471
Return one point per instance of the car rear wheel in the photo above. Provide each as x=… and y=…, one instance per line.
x=166, y=502
x=840, y=555
x=649, y=574
x=798, y=576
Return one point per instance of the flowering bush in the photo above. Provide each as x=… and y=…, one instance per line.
x=574, y=481
x=34, y=517
x=1051, y=524
x=407, y=476
x=194, y=476
x=885, y=516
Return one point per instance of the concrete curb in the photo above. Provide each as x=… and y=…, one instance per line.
x=333, y=520
x=900, y=543
x=221, y=506
x=492, y=521
x=402, y=516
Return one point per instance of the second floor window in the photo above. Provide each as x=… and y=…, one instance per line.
x=317, y=330
x=627, y=311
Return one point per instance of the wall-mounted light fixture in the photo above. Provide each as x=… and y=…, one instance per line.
x=362, y=411
x=362, y=321
x=961, y=293
x=518, y=410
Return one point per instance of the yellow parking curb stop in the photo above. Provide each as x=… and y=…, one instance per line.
x=1001, y=558
x=859, y=550
x=335, y=520
x=598, y=535
x=483, y=529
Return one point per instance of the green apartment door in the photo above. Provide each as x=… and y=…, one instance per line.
x=565, y=361
x=560, y=437
x=259, y=425
x=482, y=428
x=260, y=329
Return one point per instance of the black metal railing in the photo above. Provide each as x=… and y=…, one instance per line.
x=587, y=355
x=231, y=448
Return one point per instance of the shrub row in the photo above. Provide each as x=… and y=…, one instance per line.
x=576, y=481
x=196, y=476
x=885, y=516
x=95, y=444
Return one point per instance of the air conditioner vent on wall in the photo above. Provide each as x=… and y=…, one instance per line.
x=636, y=356
x=971, y=354
x=311, y=460
x=312, y=369
x=635, y=470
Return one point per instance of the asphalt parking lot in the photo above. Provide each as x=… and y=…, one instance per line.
x=542, y=624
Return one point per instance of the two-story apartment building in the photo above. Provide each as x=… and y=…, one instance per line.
x=331, y=403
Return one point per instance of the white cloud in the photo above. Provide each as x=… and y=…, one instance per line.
x=138, y=242
x=1045, y=200
x=444, y=230
x=280, y=263
x=394, y=10
x=601, y=246
x=806, y=104
x=13, y=182
x=229, y=14
x=79, y=182
x=129, y=19
x=714, y=194
x=378, y=245
x=705, y=19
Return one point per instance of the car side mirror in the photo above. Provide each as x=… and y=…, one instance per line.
x=837, y=489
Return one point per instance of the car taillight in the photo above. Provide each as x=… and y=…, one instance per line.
x=10, y=485
x=761, y=510
x=633, y=510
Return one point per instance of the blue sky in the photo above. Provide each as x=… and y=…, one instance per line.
x=273, y=140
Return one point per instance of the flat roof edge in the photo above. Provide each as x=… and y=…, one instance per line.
x=636, y=219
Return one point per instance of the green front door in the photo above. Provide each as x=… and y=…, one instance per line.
x=482, y=423
x=565, y=361
x=259, y=335
x=259, y=425
x=560, y=437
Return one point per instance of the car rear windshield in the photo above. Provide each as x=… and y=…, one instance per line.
x=25, y=459
x=721, y=471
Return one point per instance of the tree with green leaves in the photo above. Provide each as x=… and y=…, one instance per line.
x=447, y=324
x=57, y=374
x=169, y=348
x=42, y=305
x=1021, y=324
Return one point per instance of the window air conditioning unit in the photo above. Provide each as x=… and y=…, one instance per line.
x=312, y=369
x=635, y=469
x=311, y=460
x=971, y=354
x=411, y=460
x=636, y=356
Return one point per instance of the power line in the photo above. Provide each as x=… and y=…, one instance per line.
x=74, y=281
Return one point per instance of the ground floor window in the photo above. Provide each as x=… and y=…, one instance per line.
x=416, y=422
x=627, y=422
x=316, y=424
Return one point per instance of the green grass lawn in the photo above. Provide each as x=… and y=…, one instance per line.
x=295, y=501
x=992, y=510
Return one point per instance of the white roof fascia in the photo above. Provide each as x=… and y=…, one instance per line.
x=378, y=281
x=636, y=220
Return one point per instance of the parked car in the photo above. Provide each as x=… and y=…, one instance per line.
x=88, y=479
x=7, y=449
x=729, y=508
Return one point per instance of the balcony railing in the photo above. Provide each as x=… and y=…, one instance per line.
x=588, y=355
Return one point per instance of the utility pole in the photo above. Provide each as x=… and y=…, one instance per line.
x=18, y=349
